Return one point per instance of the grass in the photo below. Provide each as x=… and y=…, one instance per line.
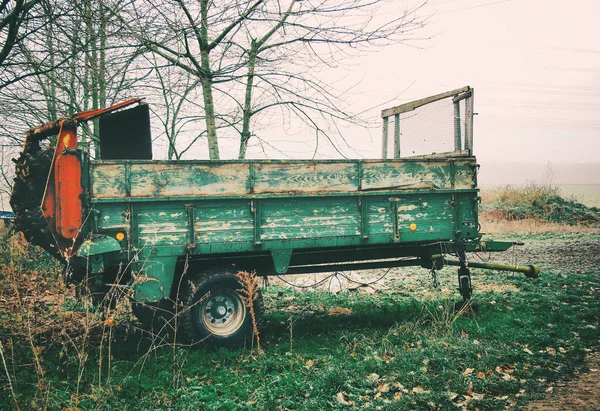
x=403, y=347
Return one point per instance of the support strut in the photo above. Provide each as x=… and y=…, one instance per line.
x=464, y=274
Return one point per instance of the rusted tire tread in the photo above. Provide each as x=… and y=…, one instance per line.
x=200, y=284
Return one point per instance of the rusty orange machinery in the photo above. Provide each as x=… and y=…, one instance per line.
x=62, y=204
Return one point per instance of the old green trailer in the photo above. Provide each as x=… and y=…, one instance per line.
x=178, y=232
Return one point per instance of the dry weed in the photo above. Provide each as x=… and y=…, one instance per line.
x=499, y=222
x=249, y=290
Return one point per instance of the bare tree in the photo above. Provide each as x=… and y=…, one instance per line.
x=251, y=57
x=13, y=16
x=69, y=57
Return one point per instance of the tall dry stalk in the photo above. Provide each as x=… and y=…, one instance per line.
x=249, y=291
x=12, y=391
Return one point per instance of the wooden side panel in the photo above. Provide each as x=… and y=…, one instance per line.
x=108, y=180
x=305, y=177
x=379, y=215
x=284, y=219
x=431, y=213
x=111, y=216
x=162, y=224
x=154, y=179
x=467, y=215
x=406, y=175
x=465, y=175
x=189, y=179
x=223, y=221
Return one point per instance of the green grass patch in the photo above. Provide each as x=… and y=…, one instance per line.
x=402, y=348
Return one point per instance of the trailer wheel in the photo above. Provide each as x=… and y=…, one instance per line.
x=464, y=283
x=215, y=311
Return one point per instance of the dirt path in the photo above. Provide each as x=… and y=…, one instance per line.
x=582, y=393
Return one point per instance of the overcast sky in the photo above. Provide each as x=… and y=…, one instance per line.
x=534, y=65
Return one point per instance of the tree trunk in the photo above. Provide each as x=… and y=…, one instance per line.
x=206, y=80
x=247, y=110
x=209, y=108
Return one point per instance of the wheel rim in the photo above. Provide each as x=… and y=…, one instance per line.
x=223, y=312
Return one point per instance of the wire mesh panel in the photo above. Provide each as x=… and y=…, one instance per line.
x=434, y=125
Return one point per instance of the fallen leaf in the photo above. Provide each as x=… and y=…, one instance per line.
x=310, y=363
x=383, y=387
x=468, y=371
x=551, y=351
x=339, y=311
x=397, y=395
x=340, y=398
x=528, y=351
x=549, y=389
x=481, y=374
x=373, y=378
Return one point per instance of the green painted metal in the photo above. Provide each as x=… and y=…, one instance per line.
x=204, y=209
x=98, y=245
x=153, y=277
x=281, y=259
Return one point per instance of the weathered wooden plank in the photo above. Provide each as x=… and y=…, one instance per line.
x=162, y=224
x=431, y=213
x=158, y=179
x=310, y=217
x=305, y=177
x=403, y=108
x=204, y=179
x=400, y=175
x=108, y=180
x=111, y=216
x=224, y=236
x=465, y=175
x=223, y=221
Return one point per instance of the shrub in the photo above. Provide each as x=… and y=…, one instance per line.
x=543, y=202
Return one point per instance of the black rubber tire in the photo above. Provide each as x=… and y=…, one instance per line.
x=196, y=296
x=154, y=317
x=465, y=288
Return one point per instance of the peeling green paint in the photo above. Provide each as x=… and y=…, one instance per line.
x=276, y=208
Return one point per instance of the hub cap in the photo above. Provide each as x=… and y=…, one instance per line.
x=223, y=312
